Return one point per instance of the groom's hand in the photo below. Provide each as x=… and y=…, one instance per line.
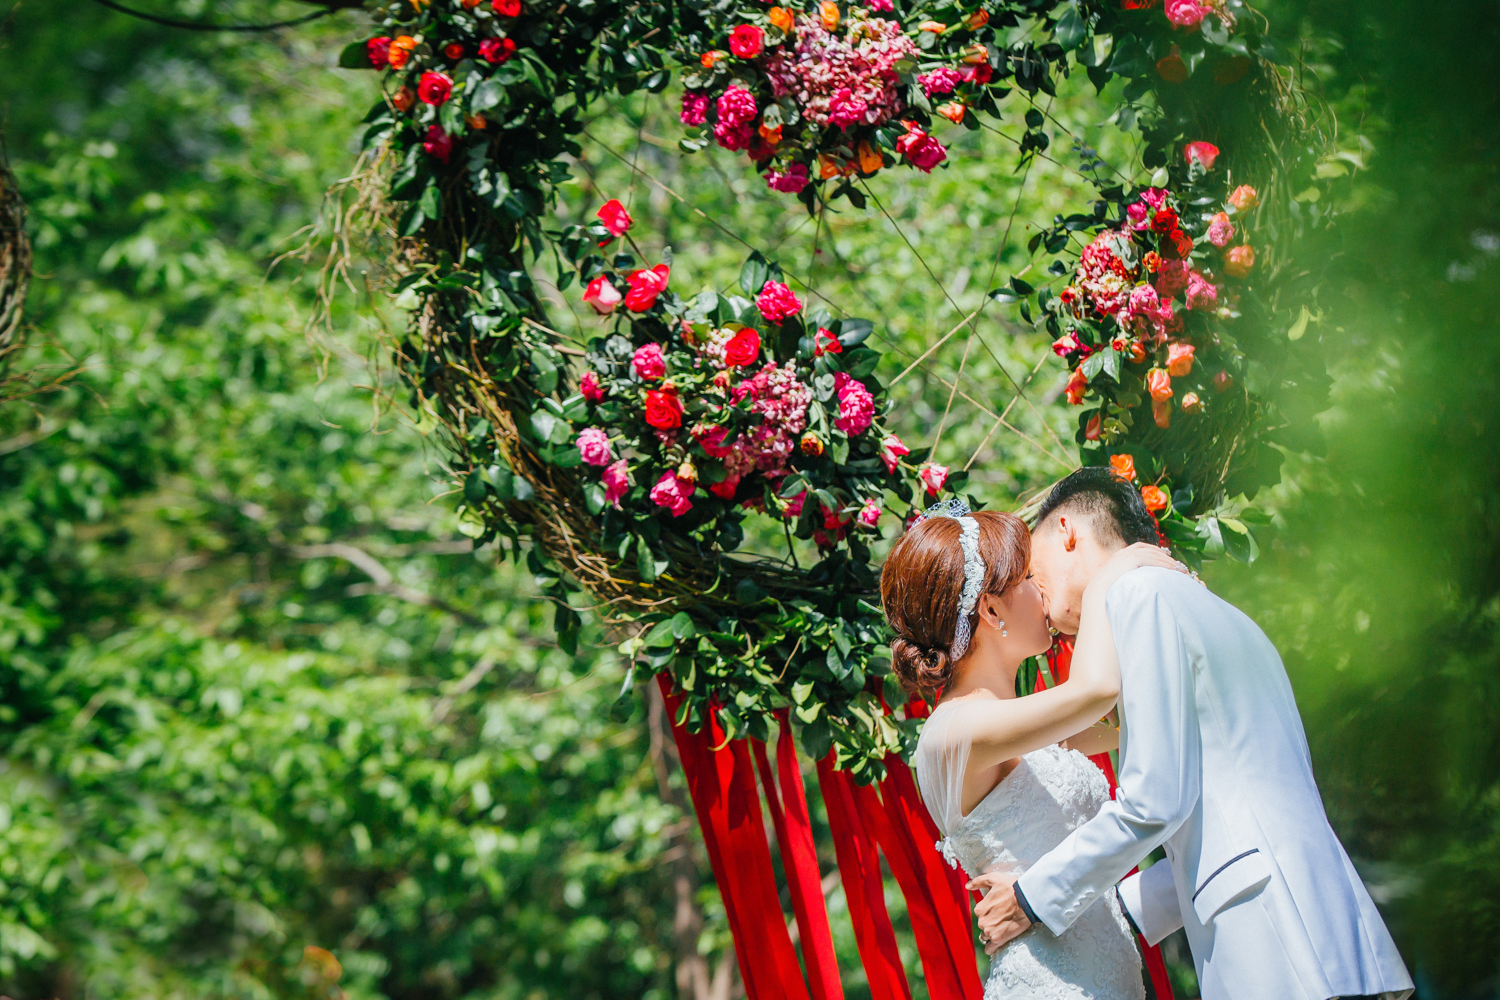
x=999, y=913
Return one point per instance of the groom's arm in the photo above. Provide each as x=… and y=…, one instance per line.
x=1160, y=761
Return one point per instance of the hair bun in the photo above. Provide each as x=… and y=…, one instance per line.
x=921, y=669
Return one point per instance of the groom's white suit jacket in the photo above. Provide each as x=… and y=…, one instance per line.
x=1214, y=765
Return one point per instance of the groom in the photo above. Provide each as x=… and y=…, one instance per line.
x=1214, y=766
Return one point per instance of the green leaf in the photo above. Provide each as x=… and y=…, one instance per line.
x=1071, y=29
x=682, y=626
x=754, y=274
x=475, y=488
x=355, y=55
x=661, y=636
x=489, y=94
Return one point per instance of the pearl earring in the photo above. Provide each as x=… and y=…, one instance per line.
x=1002, y=629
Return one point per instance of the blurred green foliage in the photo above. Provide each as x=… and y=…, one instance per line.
x=258, y=695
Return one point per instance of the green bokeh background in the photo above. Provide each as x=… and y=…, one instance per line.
x=256, y=695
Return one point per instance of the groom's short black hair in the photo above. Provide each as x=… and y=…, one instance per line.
x=1109, y=500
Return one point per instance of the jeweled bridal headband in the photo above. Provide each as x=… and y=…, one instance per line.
x=968, y=539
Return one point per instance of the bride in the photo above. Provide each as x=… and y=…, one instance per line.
x=1005, y=778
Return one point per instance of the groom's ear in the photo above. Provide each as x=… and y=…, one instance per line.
x=1069, y=530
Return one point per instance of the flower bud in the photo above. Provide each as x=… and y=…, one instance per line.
x=811, y=445
x=1191, y=404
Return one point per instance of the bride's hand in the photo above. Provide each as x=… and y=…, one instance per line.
x=1136, y=556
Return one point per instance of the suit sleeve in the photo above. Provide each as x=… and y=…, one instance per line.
x=1150, y=899
x=1160, y=759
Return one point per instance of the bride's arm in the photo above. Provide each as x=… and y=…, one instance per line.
x=1008, y=729
x=1099, y=738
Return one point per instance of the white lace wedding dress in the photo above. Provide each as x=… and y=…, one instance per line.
x=1049, y=793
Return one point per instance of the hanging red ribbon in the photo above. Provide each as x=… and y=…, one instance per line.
x=859, y=869
x=722, y=785
x=799, y=859
x=1060, y=658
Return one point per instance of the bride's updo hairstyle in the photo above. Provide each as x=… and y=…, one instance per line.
x=923, y=579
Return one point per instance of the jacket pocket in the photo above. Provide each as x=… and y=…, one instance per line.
x=1232, y=881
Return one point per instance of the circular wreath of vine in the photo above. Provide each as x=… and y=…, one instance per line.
x=633, y=468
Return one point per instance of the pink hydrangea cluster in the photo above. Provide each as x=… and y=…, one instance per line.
x=791, y=180
x=1201, y=293
x=782, y=400
x=1102, y=274
x=736, y=125
x=694, y=108
x=1171, y=278
x=856, y=405
x=843, y=78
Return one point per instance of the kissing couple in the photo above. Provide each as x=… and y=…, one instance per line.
x=1213, y=762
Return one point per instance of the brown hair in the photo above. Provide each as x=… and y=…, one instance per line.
x=922, y=581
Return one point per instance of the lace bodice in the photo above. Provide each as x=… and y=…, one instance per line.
x=1048, y=794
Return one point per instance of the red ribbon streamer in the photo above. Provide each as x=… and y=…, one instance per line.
x=722, y=785
x=799, y=859
x=859, y=869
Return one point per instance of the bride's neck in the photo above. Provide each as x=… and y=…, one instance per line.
x=984, y=671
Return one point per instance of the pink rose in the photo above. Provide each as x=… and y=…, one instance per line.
x=933, y=477
x=794, y=506
x=602, y=296
x=920, y=149
x=892, y=451
x=845, y=109
x=869, y=514
x=1159, y=383
x=736, y=106
x=1078, y=385
x=438, y=144
x=674, y=493
x=879, y=5
x=615, y=218
x=694, y=108
x=1136, y=213
x=435, y=88
x=734, y=137
x=1144, y=302
x=776, y=302
x=616, y=482
x=1091, y=431
x=648, y=362
x=1179, y=360
x=790, y=181
x=1154, y=196
x=1239, y=261
x=1204, y=153
x=856, y=405
x=593, y=445
x=1220, y=229
x=1244, y=198
x=1066, y=344
x=590, y=387
x=746, y=41
x=1201, y=294
x=940, y=81
x=1185, y=13
x=1171, y=278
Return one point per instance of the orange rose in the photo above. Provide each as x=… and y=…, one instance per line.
x=828, y=13
x=1077, y=385
x=811, y=445
x=403, y=99
x=1244, y=198
x=782, y=18
x=935, y=27
x=869, y=159
x=1239, y=260
x=977, y=20
x=976, y=54
x=688, y=472
x=1161, y=412
x=953, y=111
x=1091, y=431
x=1159, y=383
x=1124, y=466
x=1180, y=360
x=1152, y=261
x=827, y=166
x=771, y=135
x=401, y=50
x=1192, y=404
x=1156, y=499
x=709, y=58
x=1137, y=351
x=476, y=122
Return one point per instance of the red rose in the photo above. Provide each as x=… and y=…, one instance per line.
x=978, y=75
x=645, y=286
x=1177, y=245
x=615, y=218
x=747, y=41
x=379, y=51
x=508, y=8
x=663, y=409
x=435, y=88
x=497, y=50
x=1171, y=68
x=1164, y=221
x=824, y=342
x=742, y=348
x=1202, y=152
x=438, y=144
x=454, y=51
